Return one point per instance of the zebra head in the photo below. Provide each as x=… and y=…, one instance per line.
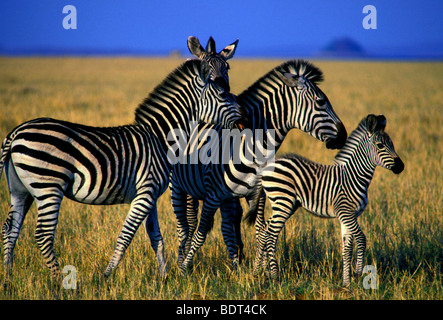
x=217, y=104
x=309, y=108
x=381, y=147
x=214, y=65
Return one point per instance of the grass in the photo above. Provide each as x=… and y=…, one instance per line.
x=403, y=221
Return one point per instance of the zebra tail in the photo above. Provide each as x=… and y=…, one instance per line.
x=5, y=151
x=251, y=216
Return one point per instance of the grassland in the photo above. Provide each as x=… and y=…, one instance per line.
x=403, y=221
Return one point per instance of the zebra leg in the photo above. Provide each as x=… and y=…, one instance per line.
x=260, y=262
x=179, y=204
x=260, y=220
x=276, y=223
x=360, y=238
x=140, y=209
x=237, y=229
x=48, y=207
x=228, y=228
x=21, y=201
x=207, y=216
x=271, y=238
x=153, y=230
x=347, y=246
x=260, y=235
x=271, y=246
x=192, y=219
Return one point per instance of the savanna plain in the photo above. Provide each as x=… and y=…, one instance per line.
x=403, y=221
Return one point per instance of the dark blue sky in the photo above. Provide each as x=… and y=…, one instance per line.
x=264, y=27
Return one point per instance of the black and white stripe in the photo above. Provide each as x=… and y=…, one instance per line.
x=328, y=191
x=287, y=97
x=47, y=159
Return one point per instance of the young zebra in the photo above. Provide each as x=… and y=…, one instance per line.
x=328, y=191
x=46, y=159
x=287, y=97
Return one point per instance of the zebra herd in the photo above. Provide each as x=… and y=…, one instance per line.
x=192, y=115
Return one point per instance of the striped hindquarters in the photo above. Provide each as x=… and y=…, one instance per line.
x=87, y=164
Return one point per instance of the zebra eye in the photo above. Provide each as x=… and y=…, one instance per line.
x=380, y=145
x=321, y=102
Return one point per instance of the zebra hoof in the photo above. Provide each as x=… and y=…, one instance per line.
x=163, y=274
x=107, y=272
x=274, y=276
x=256, y=273
x=234, y=265
x=183, y=270
x=346, y=283
x=7, y=284
x=56, y=277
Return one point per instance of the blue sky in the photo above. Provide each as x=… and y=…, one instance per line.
x=264, y=27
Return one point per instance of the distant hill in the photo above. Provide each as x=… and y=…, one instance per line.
x=343, y=48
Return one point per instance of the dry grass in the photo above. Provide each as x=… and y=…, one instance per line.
x=403, y=221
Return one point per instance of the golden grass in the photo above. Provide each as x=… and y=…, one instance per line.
x=403, y=221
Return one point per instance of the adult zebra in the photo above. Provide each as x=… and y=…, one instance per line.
x=328, y=191
x=286, y=97
x=47, y=159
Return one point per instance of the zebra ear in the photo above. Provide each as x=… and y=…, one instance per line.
x=210, y=46
x=381, y=122
x=371, y=123
x=228, y=52
x=195, y=47
x=375, y=123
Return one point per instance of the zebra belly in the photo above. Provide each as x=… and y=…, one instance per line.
x=328, y=213
x=101, y=196
x=243, y=185
x=323, y=208
x=200, y=181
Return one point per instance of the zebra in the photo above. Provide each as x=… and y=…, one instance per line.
x=329, y=191
x=286, y=97
x=47, y=159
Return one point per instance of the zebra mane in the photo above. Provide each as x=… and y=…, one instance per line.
x=303, y=69
x=297, y=157
x=149, y=104
x=299, y=67
x=352, y=141
x=291, y=155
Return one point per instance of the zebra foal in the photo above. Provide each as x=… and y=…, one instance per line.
x=328, y=191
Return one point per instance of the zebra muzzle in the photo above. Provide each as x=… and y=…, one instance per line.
x=239, y=125
x=340, y=140
x=243, y=122
x=398, y=166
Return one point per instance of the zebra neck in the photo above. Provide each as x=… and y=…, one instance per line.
x=353, y=158
x=263, y=104
x=173, y=104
